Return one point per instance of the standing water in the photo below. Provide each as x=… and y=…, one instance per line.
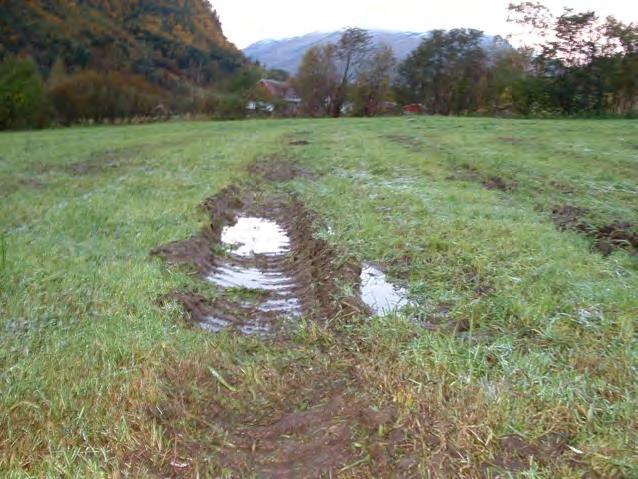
x=251, y=236
x=257, y=262
x=381, y=296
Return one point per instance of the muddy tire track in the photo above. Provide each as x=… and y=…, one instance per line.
x=306, y=278
x=606, y=238
x=263, y=245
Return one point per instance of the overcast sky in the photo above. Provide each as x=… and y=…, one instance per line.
x=248, y=21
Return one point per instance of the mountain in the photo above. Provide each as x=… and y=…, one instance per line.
x=288, y=53
x=167, y=41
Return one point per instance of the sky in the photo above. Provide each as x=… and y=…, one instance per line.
x=248, y=21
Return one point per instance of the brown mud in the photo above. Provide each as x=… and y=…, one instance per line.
x=498, y=183
x=275, y=168
x=323, y=427
x=306, y=279
x=470, y=173
x=515, y=452
x=313, y=430
x=330, y=412
x=607, y=238
x=322, y=421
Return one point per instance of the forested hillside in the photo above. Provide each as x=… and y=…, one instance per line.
x=166, y=41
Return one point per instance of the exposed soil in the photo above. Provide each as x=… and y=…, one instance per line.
x=275, y=168
x=514, y=453
x=620, y=234
x=299, y=143
x=607, y=238
x=305, y=279
x=469, y=173
x=324, y=426
x=331, y=421
x=569, y=217
x=498, y=183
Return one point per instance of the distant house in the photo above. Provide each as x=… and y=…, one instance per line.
x=272, y=96
x=413, y=109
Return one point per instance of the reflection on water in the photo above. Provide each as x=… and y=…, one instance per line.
x=249, y=277
x=381, y=296
x=251, y=236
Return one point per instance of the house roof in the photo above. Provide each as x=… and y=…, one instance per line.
x=279, y=89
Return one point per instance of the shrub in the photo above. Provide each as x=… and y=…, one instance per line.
x=90, y=95
x=23, y=101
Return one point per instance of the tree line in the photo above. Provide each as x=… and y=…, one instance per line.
x=584, y=66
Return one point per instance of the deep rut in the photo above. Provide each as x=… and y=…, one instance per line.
x=266, y=262
x=260, y=254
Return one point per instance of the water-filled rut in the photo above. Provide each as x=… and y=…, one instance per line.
x=266, y=265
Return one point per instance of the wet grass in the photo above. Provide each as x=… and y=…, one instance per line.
x=97, y=378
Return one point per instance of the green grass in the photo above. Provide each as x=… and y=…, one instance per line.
x=86, y=351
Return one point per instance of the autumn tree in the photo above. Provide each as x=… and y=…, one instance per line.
x=445, y=72
x=328, y=72
x=317, y=79
x=375, y=80
x=351, y=53
x=588, y=66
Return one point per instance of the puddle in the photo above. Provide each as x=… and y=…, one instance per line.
x=259, y=248
x=251, y=236
x=213, y=324
x=290, y=305
x=381, y=296
x=273, y=255
x=249, y=278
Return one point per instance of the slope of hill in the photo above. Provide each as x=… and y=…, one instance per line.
x=167, y=41
x=287, y=54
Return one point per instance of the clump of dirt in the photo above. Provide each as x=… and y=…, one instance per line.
x=299, y=143
x=607, y=238
x=275, y=168
x=305, y=278
x=620, y=234
x=515, y=452
x=498, y=183
x=569, y=217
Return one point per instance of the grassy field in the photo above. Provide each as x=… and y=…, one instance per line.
x=520, y=358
